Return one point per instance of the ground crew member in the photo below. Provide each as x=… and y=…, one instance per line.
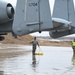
x=73, y=45
x=34, y=44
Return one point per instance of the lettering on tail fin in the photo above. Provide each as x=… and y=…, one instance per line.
x=33, y=4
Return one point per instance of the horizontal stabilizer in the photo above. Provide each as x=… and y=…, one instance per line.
x=32, y=16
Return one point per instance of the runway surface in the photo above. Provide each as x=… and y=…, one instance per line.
x=18, y=60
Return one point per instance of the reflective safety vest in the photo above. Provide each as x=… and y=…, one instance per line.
x=73, y=43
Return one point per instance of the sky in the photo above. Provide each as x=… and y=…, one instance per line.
x=13, y=2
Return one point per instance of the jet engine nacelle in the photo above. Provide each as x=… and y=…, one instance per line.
x=6, y=12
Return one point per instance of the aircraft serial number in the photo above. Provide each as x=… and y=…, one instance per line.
x=33, y=4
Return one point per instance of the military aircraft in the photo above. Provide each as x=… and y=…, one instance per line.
x=35, y=16
x=28, y=16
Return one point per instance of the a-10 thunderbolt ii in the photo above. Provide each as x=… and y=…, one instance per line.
x=35, y=16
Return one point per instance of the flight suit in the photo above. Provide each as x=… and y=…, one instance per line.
x=34, y=44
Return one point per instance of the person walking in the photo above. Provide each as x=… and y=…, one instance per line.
x=34, y=45
x=73, y=45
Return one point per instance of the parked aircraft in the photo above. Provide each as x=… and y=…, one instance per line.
x=38, y=18
x=35, y=16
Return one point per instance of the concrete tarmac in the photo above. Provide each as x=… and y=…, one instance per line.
x=18, y=60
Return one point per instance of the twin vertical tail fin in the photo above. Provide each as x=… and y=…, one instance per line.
x=32, y=16
x=64, y=9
